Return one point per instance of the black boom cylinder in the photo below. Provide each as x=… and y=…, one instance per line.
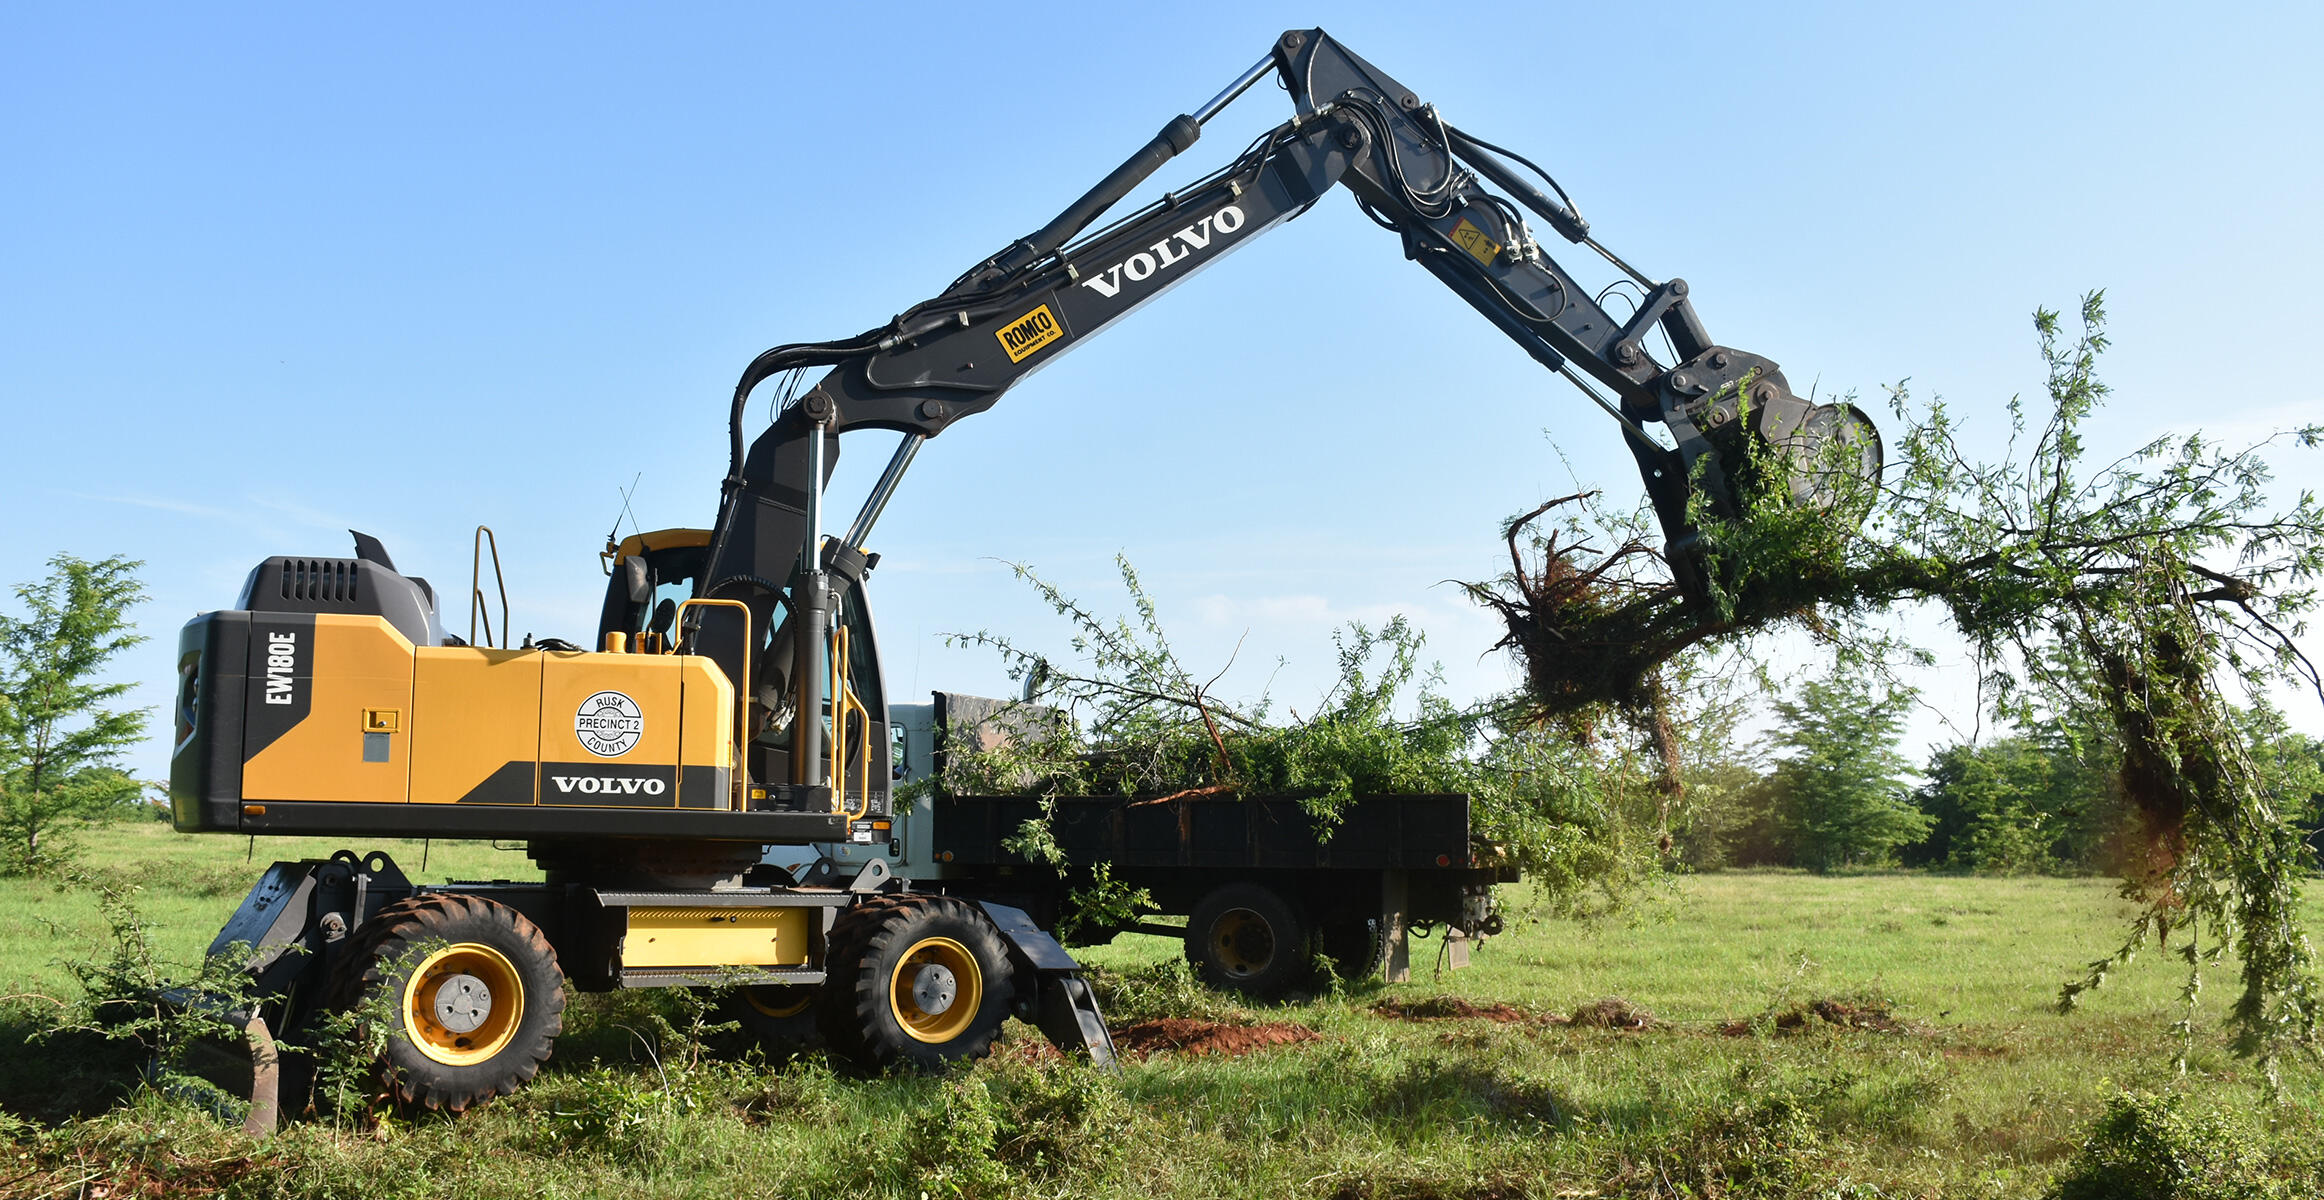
x=1174, y=140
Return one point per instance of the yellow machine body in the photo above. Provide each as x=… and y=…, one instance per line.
x=713, y=937
x=384, y=721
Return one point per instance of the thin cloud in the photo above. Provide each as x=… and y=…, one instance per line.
x=157, y=503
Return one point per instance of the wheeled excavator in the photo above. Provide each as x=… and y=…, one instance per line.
x=732, y=699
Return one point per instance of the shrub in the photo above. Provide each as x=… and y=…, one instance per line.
x=1014, y=1121
x=2150, y=1147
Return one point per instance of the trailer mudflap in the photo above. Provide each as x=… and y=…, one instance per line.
x=1062, y=1006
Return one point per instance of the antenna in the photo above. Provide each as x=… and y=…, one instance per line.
x=615, y=536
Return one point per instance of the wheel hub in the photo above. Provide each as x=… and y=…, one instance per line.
x=463, y=1003
x=1243, y=942
x=934, y=988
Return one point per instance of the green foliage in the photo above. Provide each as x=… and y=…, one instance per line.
x=2133, y=597
x=1103, y=908
x=2150, y=1147
x=1725, y=813
x=1839, y=792
x=2129, y=599
x=1120, y=714
x=59, y=731
x=136, y=996
x=1153, y=991
x=2021, y=804
x=614, y=1114
x=1017, y=1124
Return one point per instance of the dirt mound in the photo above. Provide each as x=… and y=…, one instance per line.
x=1613, y=1012
x=1441, y=1008
x=1870, y=1016
x=1187, y=1035
x=1031, y=1050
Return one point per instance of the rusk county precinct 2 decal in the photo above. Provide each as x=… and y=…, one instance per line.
x=609, y=724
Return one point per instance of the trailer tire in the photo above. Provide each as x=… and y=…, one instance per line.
x=1245, y=938
x=778, y=1017
x=916, y=981
x=471, y=991
x=1356, y=950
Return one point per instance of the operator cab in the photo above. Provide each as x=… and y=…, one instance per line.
x=654, y=573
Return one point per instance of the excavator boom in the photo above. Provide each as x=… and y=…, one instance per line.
x=1722, y=411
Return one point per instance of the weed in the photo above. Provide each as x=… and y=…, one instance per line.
x=615, y=1115
x=2159, y=1147
x=1156, y=991
x=164, y=1010
x=995, y=1130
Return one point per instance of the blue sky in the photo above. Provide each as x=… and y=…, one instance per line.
x=269, y=272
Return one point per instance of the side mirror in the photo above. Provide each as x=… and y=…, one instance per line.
x=633, y=574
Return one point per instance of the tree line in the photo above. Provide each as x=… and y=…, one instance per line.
x=2043, y=796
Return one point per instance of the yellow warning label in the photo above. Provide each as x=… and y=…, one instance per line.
x=1473, y=240
x=1028, y=333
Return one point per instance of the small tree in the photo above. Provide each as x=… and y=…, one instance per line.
x=1721, y=817
x=59, y=734
x=1839, y=790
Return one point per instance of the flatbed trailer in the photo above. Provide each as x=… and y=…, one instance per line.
x=1259, y=880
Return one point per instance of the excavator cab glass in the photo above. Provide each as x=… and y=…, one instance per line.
x=652, y=574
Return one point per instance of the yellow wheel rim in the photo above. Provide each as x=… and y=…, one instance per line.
x=1242, y=942
x=772, y=1000
x=936, y=990
x=462, y=1004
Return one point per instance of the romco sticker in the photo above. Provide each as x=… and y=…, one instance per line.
x=609, y=724
x=1028, y=333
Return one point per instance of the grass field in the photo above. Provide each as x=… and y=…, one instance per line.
x=1951, y=1074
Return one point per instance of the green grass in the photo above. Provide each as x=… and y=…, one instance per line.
x=1987, y=1091
x=187, y=886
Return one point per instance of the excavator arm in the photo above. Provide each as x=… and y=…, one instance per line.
x=1453, y=199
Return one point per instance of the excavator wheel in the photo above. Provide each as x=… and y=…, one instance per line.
x=914, y=980
x=778, y=1017
x=470, y=988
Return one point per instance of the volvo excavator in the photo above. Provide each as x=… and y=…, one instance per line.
x=732, y=699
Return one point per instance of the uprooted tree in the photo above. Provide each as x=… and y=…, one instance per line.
x=2138, y=596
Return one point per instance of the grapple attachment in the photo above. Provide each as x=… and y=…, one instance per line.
x=1744, y=438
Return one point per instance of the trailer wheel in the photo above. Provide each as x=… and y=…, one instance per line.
x=471, y=991
x=1245, y=938
x=1357, y=950
x=918, y=980
x=779, y=1017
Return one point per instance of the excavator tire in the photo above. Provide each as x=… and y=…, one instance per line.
x=471, y=990
x=779, y=1018
x=914, y=981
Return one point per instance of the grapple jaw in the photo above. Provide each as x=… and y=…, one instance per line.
x=1743, y=439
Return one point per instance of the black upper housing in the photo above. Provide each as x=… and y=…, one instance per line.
x=349, y=586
